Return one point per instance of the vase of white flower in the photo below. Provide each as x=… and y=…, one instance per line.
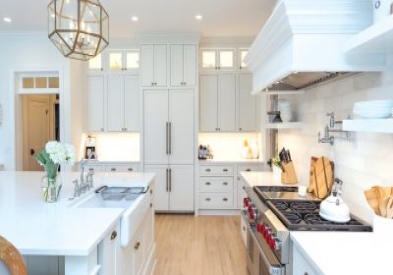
x=51, y=157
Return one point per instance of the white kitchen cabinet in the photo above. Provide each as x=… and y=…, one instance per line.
x=154, y=65
x=95, y=103
x=107, y=251
x=216, y=187
x=243, y=230
x=241, y=54
x=174, y=187
x=122, y=167
x=217, y=59
x=123, y=103
x=246, y=105
x=123, y=60
x=218, y=103
x=169, y=134
x=183, y=65
x=301, y=266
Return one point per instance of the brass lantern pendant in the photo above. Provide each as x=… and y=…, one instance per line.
x=78, y=28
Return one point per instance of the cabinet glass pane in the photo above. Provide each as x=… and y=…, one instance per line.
x=28, y=82
x=132, y=60
x=115, y=61
x=226, y=59
x=41, y=82
x=243, y=54
x=53, y=82
x=208, y=59
x=95, y=63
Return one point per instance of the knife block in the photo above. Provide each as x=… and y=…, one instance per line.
x=288, y=175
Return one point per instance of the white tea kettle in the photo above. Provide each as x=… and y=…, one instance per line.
x=333, y=208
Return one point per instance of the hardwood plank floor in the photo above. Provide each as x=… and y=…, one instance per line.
x=199, y=245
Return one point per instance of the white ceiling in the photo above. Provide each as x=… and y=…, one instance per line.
x=221, y=18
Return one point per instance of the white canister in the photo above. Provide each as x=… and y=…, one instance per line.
x=381, y=9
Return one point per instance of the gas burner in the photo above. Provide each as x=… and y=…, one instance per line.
x=277, y=188
x=281, y=205
x=294, y=217
x=303, y=205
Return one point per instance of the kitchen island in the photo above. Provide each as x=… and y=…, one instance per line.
x=73, y=239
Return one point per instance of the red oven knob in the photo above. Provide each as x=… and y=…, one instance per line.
x=246, y=202
x=259, y=227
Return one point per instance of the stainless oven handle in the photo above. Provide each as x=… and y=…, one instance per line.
x=273, y=269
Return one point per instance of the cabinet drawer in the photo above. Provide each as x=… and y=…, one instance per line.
x=216, y=170
x=216, y=200
x=242, y=168
x=121, y=168
x=216, y=184
x=95, y=167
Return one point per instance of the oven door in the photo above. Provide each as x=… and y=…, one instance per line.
x=260, y=259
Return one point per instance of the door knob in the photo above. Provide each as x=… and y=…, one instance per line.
x=32, y=152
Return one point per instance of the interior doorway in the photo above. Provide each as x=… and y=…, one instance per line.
x=39, y=116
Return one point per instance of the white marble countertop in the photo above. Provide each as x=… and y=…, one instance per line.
x=230, y=161
x=343, y=253
x=39, y=228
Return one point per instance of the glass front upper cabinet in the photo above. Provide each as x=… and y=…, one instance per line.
x=217, y=59
x=123, y=60
x=241, y=55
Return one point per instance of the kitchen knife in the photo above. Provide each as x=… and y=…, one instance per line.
x=289, y=155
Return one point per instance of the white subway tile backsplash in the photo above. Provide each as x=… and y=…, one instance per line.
x=361, y=161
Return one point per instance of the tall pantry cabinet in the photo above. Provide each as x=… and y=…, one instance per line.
x=169, y=128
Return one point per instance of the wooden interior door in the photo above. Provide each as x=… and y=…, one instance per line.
x=38, y=127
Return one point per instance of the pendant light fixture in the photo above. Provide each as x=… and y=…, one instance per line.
x=78, y=28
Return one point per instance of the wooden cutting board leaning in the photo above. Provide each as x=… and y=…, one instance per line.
x=321, y=177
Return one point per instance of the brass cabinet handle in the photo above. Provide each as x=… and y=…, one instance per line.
x=113, y=235
x=137, y=245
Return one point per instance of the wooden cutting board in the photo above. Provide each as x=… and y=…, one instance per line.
x=321, y=177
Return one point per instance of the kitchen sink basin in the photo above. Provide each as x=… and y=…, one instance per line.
x=95, y=200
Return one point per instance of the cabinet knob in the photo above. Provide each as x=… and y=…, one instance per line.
x=225, y=199
x=225, y=170
x=225, y=183
x=113, y=169
x=208, y=183
x=102, y=129
x=248, y=170
x=208, y=199
x=151, y=191
x=151, y=205
x=102, y=69
x=240, y=129
x=208, y=170
x=130, y=169
x=137, y=245
x=244, y=228
x=113, y=235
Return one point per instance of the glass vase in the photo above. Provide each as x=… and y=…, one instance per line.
x=50, y=188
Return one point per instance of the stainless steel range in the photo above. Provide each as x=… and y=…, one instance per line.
x=271, y=213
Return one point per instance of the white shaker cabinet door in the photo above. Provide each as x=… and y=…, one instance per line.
x=190, y=65
x=156, y=126
x=208, y=103
x=177, y=63
x=181, y=126
x=247, y=105
x=160, y=65
x=147, y=66
x=227, y=103
x=181, y=188
x=95, y=103
x=115, y=103
x=131, y=103
x=183, y=65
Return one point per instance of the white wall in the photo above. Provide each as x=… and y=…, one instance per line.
x=362, y=161
x=22, y=52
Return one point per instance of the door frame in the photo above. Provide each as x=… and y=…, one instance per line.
x=17, y=106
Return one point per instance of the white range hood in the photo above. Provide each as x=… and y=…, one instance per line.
x=303, y=43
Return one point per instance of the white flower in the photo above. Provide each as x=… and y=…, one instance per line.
x=60, y=153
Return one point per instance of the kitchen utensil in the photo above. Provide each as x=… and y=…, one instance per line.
x=389, y=207
x=321, y=177
x=372, y=200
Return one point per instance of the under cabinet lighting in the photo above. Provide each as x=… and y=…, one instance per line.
x=7, y=19
x=198, y=17
x=135, y=18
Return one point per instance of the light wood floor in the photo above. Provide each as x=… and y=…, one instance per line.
x=202, y=245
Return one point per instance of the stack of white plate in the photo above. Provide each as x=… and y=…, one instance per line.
x=285, y=109
x=373, y=108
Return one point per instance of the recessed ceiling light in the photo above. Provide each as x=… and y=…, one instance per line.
x=198, y=17
x=135, y=18
x=7, y=19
